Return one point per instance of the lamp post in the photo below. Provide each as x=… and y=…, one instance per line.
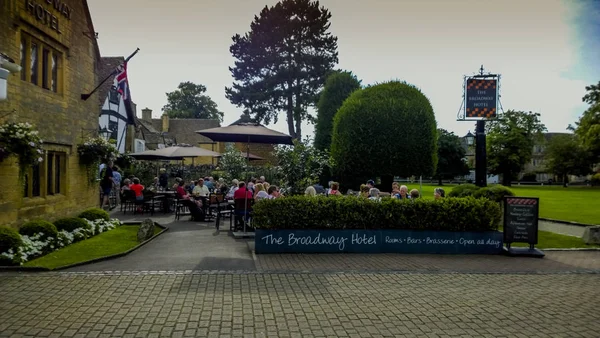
x=470, y=138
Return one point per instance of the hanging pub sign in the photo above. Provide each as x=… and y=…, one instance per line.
x=481, y=97
x=521, y=225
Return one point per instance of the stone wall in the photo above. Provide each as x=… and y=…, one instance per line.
x=61, y=117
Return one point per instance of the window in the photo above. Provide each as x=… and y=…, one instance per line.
x=32, y=182
x=23, y=59
x=114, y=127
x=33, y=62
x=113, y=96
x=45, y=61
x=54, y=172
x=40, y=63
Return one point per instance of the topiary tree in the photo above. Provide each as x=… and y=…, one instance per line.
x=71, y=223
x=93, y=214
x=338, y=87
x=384, y=130
x=47, y=229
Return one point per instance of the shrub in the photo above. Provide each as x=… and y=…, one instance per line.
x=47, y=229
x=596, y=179
x=449, y=214
x=463, y=190
x=71, y=223
x=9, y=239
x=93, y=214
x=384, y=131
x=529, y=177
x=495, y=193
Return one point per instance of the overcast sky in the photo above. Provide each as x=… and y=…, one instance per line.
x=547, y=51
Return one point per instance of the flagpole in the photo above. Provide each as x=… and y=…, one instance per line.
x=84, y=97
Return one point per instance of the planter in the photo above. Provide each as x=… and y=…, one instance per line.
x=377, y=241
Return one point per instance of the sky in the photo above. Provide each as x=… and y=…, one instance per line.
x=546, y=51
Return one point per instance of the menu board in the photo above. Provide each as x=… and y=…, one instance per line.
x=521, y=220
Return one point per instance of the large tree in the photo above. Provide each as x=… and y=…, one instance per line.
x=282, y=62
x=338, y=87
x=566, y=156
x=451, y=156
x=510, y=140
x=189, y=101
x=588, y=127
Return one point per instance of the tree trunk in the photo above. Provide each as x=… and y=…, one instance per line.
x=506, y=179
x=440, y=180
x=290, y=116
x=386, y=183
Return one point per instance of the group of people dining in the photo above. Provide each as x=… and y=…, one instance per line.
x=369, y=191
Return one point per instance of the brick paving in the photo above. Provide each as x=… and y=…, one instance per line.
x=298, y=305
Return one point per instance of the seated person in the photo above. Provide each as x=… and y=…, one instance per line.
x=335, y=189
x=414, y=194
x=273, y=192
x=200, y=190
x=126, y=185
x=195, y=206
x=374, y=194
x=261, y=193
x=242, y=192
x=233, y=189
x=138, y=189
x=183, y=194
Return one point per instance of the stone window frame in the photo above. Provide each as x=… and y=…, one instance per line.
x=48, y=178
x=52, y=80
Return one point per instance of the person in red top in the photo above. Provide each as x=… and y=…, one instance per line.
x=242, y=192
x=138, y=189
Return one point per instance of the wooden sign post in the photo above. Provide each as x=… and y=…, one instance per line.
x=521, y=225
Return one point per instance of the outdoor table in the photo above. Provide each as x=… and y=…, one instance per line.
x=167, y=196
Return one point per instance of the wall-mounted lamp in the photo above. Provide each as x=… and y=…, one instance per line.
x=7, y=66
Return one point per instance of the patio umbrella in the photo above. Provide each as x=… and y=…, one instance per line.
x=249, y=132
x=174, y=153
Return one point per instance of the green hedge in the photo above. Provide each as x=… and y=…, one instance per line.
x=495, y=193
x=9, y=239
x=39, y=226
x=93, y=214
x=71, y=223
x=449, y=214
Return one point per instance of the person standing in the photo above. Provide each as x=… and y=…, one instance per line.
x=163, y=179
x=117, y=187
x=106, y=183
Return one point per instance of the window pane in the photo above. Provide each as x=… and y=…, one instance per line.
x=34, y=65
x=54, y=85
x=45, y=62
x=114, y=126
x=23, y=61
x=57, y=173
x=49, y=173
x=35, y=181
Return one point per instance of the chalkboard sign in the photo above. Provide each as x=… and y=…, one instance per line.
x=521, y=220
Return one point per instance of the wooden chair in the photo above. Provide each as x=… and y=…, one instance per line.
x=128, y=200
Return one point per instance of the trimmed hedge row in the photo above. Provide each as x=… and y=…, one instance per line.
x=449, y=214
x=495, y=193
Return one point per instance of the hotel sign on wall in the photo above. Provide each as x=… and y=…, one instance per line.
x=40, y=10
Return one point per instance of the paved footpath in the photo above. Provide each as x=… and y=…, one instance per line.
x=299, y=305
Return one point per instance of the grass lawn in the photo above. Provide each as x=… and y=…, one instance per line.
x=550, y=240
x=108, y=243
x=576, y=204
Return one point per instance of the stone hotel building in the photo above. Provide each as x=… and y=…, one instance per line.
x=54, y=42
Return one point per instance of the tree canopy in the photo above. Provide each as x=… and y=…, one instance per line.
x=338, y=86
x=565, y=156
x=189, y=101
x=282, y=62
x=588, y=127
x=510, y=140
x=384, y=131
x=451, y=156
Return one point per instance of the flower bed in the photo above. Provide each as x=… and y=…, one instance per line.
x=38, y=238
x=353, y=224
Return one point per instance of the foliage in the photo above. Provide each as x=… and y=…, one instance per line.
x=301, y=165
x=494, y=193
x=45, y=228
x=595, y=179
x=93, y=214
x=566, y=156
x=93, y=152
x=232, y=162
x=451, y=156
x=338, y=87
x=448, y=214
x=189, y=101
x=463, y=190
x=9, y=240
x=21, y=140
x=529, y=177
x=510, y=140
x=39, y=243
x=70, y=223
x=282, y=62
x=384, y=130
x=587, y=128
x=125, y=162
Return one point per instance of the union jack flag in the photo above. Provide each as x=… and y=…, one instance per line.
x=121, y=81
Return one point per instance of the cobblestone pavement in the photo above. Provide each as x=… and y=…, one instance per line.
x=299, y=305
x=555, y=261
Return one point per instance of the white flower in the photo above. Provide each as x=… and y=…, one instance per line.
x=40, y=159
x=32, y=144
